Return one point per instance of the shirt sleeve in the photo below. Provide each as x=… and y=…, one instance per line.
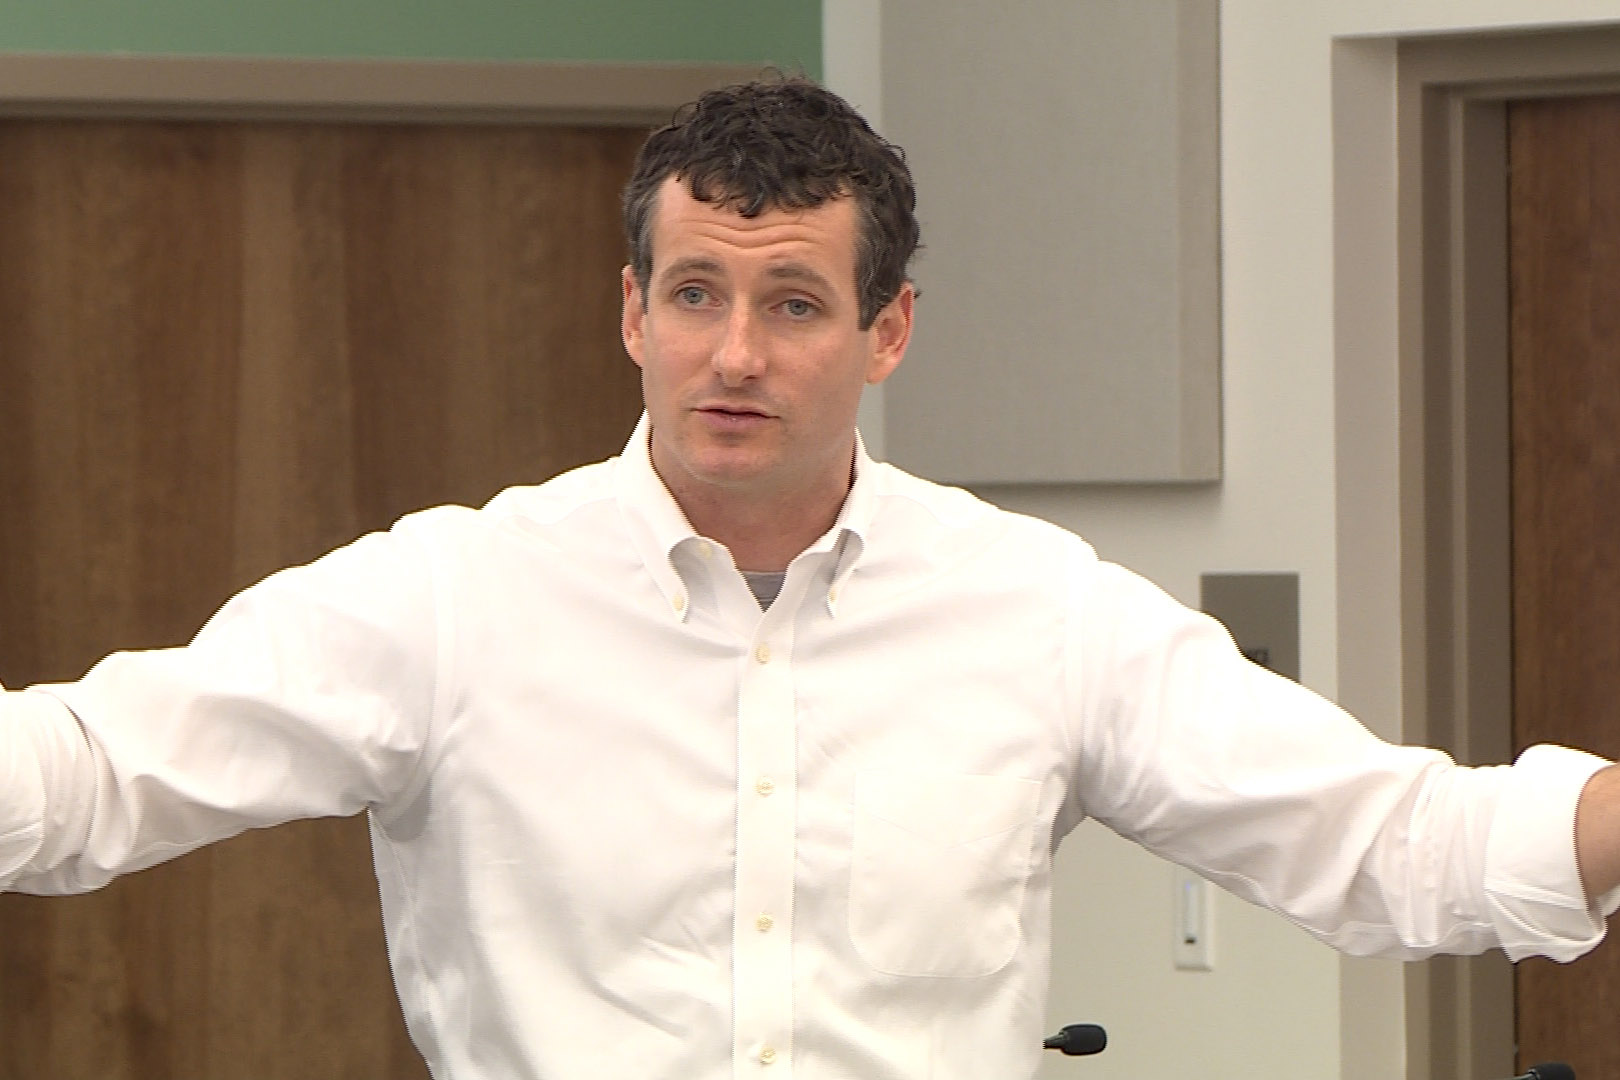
x=24, y=718
x=309, y=694
x=1283, y=798
x=1532, y=882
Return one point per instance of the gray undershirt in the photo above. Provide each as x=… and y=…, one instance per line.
x=765, y=585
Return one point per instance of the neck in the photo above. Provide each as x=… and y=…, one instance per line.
x=762, y=534
x=764, y=529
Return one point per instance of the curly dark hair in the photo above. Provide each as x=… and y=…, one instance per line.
x=782, y=144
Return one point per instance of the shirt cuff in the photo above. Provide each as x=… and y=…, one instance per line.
x=1532, y=885
x=22, y=788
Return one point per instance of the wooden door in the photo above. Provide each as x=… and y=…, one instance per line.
x=1564, y=218
x=225, y=348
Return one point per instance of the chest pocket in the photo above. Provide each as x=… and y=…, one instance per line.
x=938, y=871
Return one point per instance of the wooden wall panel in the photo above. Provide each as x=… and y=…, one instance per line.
x=225, y=348
x=1565, y=324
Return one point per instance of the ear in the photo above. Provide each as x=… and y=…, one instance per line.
x=891, y=332
x=633, y=317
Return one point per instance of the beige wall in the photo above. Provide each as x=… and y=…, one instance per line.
x=1277, y=1005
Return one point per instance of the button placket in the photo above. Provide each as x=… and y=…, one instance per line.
x=762, y=991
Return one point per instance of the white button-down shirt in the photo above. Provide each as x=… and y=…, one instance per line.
x=627, y=824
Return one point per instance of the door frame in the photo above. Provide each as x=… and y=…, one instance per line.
x=1421, y=393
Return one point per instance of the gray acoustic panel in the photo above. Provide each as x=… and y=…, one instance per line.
x=1067, y=168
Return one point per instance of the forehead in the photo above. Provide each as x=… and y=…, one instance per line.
x=821, y=236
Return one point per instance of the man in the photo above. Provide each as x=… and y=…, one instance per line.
x=742, y=754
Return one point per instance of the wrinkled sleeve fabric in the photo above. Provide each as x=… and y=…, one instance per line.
x=1286, y=800
x=26, y=720
x=1532, y=883
x=309, y=694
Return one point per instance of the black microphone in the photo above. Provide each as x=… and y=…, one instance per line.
x=1079, y=1039
x=1548, y=1070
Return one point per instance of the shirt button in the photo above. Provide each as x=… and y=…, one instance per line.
x=832, y=594
x=762, y=653
x=763, y=923
x=679, y=602
x=705, y=549
x=764, y=785
x=767, y=1055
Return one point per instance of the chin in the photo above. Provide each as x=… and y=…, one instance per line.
x=728, y=474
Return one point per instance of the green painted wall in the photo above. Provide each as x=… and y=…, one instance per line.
x=784, y=33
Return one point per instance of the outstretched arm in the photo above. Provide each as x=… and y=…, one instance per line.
x=1597, y=832
x=306, y=695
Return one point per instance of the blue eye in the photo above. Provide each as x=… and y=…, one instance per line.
x=691, y=295
x=799, y=308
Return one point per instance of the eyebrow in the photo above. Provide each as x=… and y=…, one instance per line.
x=702, y=264
x=798, y=272
x=692, y=264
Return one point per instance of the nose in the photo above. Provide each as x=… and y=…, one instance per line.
x=739, y=354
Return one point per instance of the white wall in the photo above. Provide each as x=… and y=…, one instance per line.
x=1277, y=1004
x=852, y=64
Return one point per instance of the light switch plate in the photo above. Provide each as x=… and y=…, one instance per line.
x=1192, y=945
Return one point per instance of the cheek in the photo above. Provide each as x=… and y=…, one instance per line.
x=665, y=370
x=847, y=372
x=673, y=352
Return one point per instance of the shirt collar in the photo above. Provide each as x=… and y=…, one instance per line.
x=657, y=526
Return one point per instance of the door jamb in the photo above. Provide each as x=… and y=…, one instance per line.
x=1421, y=386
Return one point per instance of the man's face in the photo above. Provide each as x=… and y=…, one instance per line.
x=751, y=356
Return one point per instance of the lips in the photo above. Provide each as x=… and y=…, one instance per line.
x=735, y=410
x=732, y=417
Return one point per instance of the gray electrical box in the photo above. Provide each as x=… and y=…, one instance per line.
x=1262, y=613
